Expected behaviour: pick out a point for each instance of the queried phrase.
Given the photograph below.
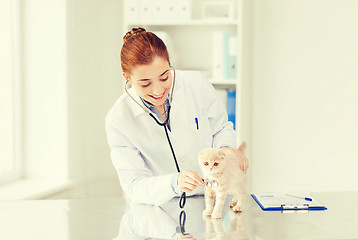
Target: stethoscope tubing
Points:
(182, 199)
(163, 124)
(182, 220)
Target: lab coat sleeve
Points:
(135, 177)
(222, 130)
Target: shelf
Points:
(191, 41)
(196, 22)
(230, 82)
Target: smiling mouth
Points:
(157, 97)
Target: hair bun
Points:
(133, 32)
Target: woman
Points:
(139, 148)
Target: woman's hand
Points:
(240, 154)
(188, 180)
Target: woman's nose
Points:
(158, 89)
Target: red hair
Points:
(141, 47)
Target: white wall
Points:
(71, 79)
(45, 88)
(6, 88)
(304, 95)
(94, 83)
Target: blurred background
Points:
(286, 70)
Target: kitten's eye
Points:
(215, 164)
(206, 163)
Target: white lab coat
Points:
(139, 148)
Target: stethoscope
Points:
(182, 199)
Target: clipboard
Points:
(287, 201)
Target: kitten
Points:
(214, 228)
(223, 176)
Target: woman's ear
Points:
(126, 77)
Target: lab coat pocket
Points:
(198, 137)
(200, 128)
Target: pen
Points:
(305, 198)
(197, 123)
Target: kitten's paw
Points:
(233, 204)
(237, 208)
(216, 215)
(207, 212)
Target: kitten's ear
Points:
(242, 147)
(203, 153)
(221, 154)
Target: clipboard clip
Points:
(294, 208)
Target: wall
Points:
(304, 95)
(44, 89)
(244, 107)
(94, 83)
(71, 79)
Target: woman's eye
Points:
(145, 85)
(206, 163)
(164, 79)
(215, 164)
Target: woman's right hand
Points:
(188, 180)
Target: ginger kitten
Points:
(222, 175)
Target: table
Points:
(117, 219)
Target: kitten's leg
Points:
(219, 203)
(233, 220)
(218, 225)
(240, 226)
(219, 229)
(233, 201)
(240, 195)
(209, 202)
(209, 229)
(239, 207)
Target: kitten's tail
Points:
(243, 147)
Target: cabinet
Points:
(189, 33)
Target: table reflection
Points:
(164, 222)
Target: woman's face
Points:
(153, 81)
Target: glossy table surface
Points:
(117, 219)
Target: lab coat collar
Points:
(137, 110)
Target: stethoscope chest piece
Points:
(211, 183)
